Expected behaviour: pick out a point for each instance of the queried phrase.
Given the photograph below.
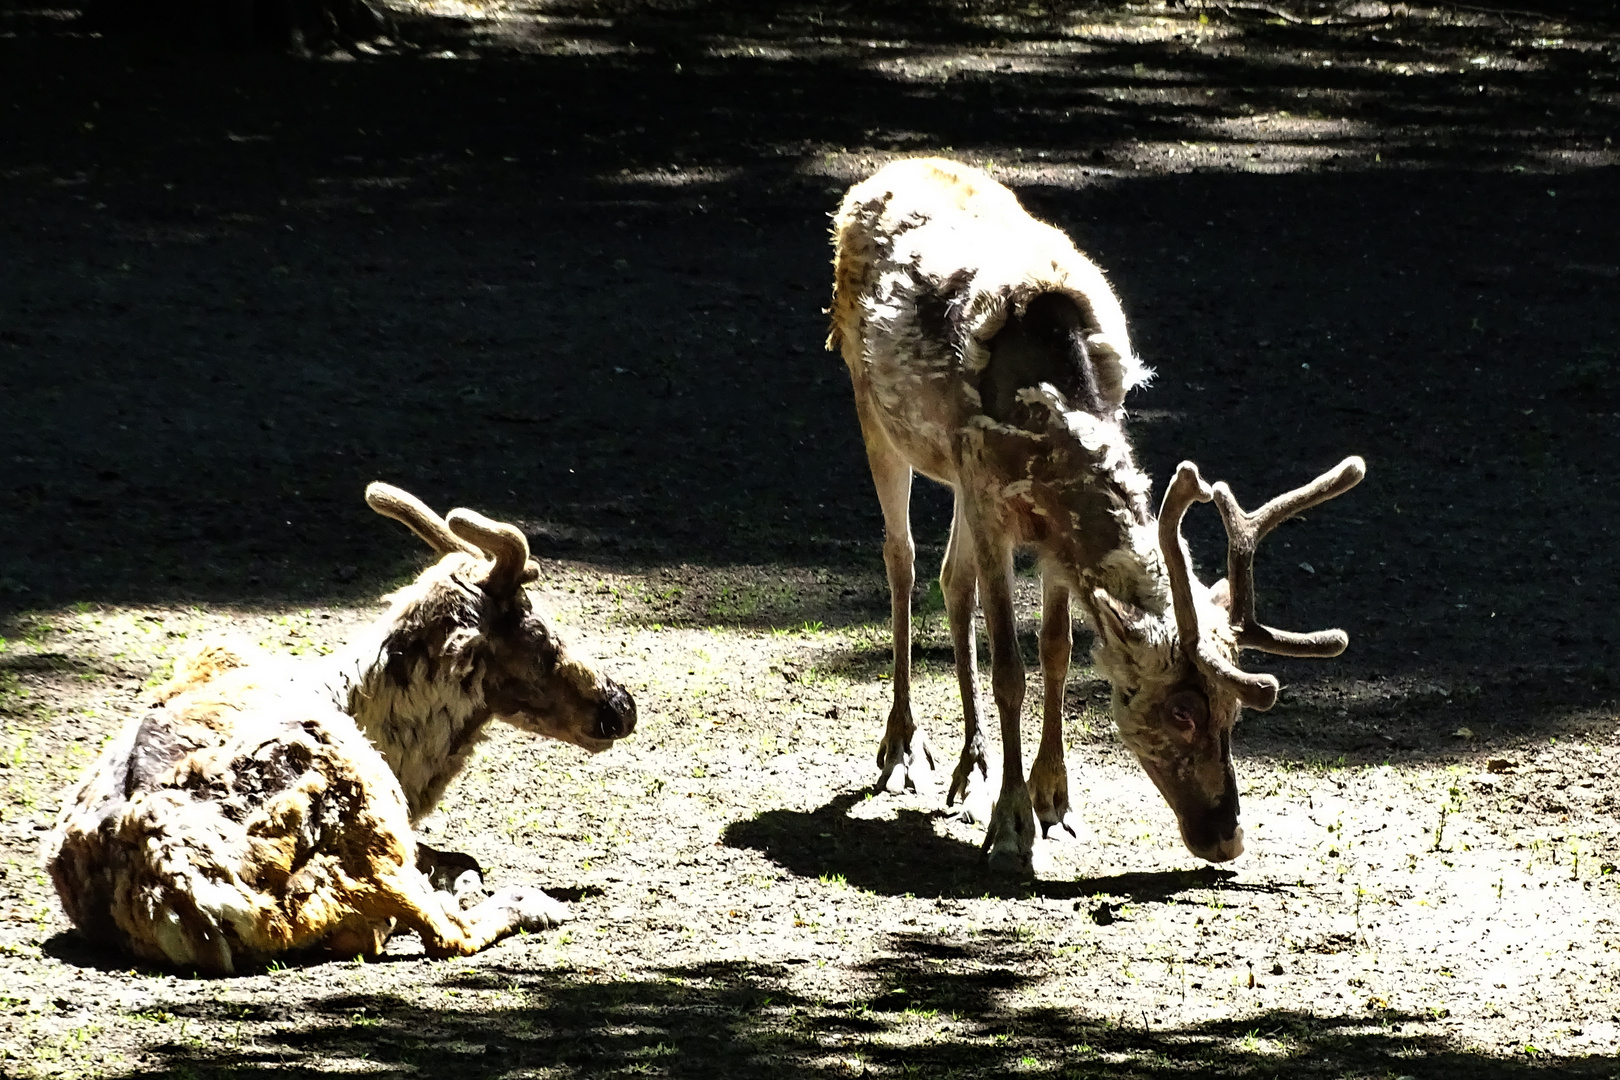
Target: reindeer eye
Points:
(1187, 708)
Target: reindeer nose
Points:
(1215, 841)
(1228, 848)
(615, 713)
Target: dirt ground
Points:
(565, 263)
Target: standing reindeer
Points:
(990, 355)
(263, 806)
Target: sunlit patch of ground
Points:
(456, 9)
(675, 177)
(1429, 880)
(1212, 71)
(1461, 904)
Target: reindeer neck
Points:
(423, 709)
(1105, 535)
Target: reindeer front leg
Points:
(904, 751)
(409, 897)
(1048, 776)
(370, 878)
(1010, 840)
(453, 872)
(958, 580)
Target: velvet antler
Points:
(1187, 487)
(1244, 532)
(414, 514)
(504, 543)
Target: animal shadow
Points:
(906, 855)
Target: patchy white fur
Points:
(262, 805)
(933, 257)
(931, 225)
(426, 728)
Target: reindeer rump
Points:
(236, 821)
(934, 253)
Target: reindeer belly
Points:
(920, 397)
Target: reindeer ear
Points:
(1116, 621)
(1220, 594)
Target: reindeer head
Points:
(1178, 688)
(471, 611)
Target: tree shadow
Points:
(72, 948)
(591, 303)
(1362, 716)
(920, 1008)
(75, 950)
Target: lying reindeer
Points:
(990, 355)
(266, 806)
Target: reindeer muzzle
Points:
(1214, 834)
(615, 713)
(1216, 845)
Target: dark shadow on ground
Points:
(906, 856)
(1363, 708)
(1441, 713)
(590, 300)
(932, 1008)
(581, 290)
(75, 950)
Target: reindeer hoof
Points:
(531, 909)
(970, 785)
(468, 888)
(447, 871)
(976, 804)
(903, 760)
(1010, 861)
(1009, 843)
(1063, 829)
(1052, 813)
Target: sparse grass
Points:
(720, 702)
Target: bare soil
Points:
(564, 263)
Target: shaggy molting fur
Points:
(263, 806)
(989, 354)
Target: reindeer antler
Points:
(413, 513)
(505, 543)
(1187, 487)
(1244, 532)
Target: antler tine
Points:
(1256, 691)
(1244, 532)
(1186, 488)
(505, 543)
(413, 513)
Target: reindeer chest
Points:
(1039, 500)
(425, 749)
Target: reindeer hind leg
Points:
(958, 581)
(904, 753)
(1009, 841)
